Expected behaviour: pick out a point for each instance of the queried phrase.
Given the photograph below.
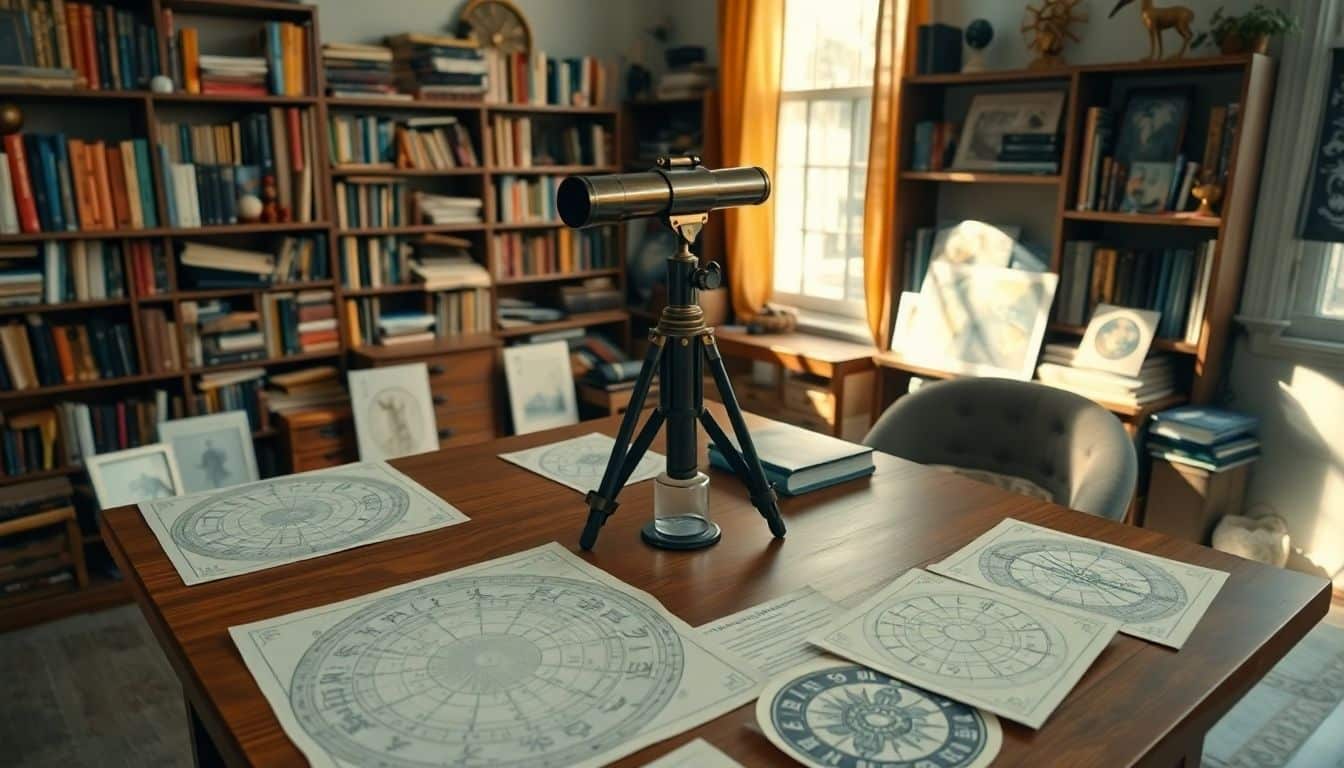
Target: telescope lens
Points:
(574, 199)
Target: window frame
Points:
(1306, 320)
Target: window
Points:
(822, 162)
(1318, 300)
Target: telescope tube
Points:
(585, 201)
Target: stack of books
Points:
(683, 83)
(159, 333)
(233, 75)
(592, 295)
(371, 202)
(215, 333)
(208, 266)
(21, 280)
(462, 311)
(25, 446)
(518, 142)
(37, 354)
(240, 390)
(405, 328)
(435, 144)
(1029, 153)
(797, 460)
(149, 268)
(89, 429)
(305, 388)
(595, 358)
(934, 146)
(361, 140)
(518, 313)
(302, 322)
(443, 265)
(1174, 282)
(438, 66)
(526, 198)
(51, 184)
(1154, 381)
(1209, 438)
(565, 251)
(286, 45)
(360, 71)
(522, 78)
(373, 262)
(56, 44)
(448, 209)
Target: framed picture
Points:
(133, 475)
(1148, 187)
(212, 451)
(1321, 218)
(902, 333)
(982, 321)
(1117, 339)
(393, 410)
(541, 386)
(976, 242)
(1152, 126)
(993, 114)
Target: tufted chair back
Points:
(1068, 445)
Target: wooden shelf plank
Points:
(179, 232)
(384, 290)
(411, 229)
(219, 293)
(70, 94)
(302, 357)
(182, 97)
(991, 76)
(557, 277)
(552, 108)
(68, 306)
(366, 170)
(1146, 219)
(553, 169)
(581, 320)
(507, 225)
(80, 386)
(447, 344)
(253, 8)
(426, 105)
(68, 469)
(980, 177)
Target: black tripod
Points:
(675, 352)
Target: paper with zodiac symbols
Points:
(579, 462)
(1015, 657)
(1152, 597)
(217, 534)
(532, 659)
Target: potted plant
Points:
(1250, 31)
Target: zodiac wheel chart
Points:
(967, 638)
(584, 461)
(1084, 575)
(849, 716)
(290, 516)
(495, 670)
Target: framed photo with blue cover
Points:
(1152, 127)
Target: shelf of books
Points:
(1113, 210)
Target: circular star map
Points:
(1085, 575)
(967, 638)
(579, 461)
(843, 715)
(509, 670)
(1117, 338)
(290, 516)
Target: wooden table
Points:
(831, 359)
(1140, 703)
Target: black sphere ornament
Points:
(978, 35)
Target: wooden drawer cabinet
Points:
(462, 383)
(318, 437)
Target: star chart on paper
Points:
(580, 462)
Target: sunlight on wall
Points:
(1308, 389)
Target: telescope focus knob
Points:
(708, 277)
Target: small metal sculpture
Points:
(11, 118)
(1158, 20)
(1209, 194)
(1047, 29)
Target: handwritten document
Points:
(773, 635)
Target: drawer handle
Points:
(329, 431)
(437, 370)
(438, 399)
(332, 456)
(446, 433)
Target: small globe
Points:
(979, 33)
(11, 118)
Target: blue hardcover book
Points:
(1225, 452)
(274, 53)
(1174, 316)
(71, 211)
(51, 179)
(125, 28)
(169, 188)
(142, 172)
(1163, 285)
(799, 460)
(1203, 425)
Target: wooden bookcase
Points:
(1048, 201)
(93, 114)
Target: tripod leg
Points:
(602, 502)
(640, 446)
(762, 495)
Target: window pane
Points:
(1332, 288)
(827, 199)
(858, 181)
(829, 131)
(824, 265)
(792, 144)
(863, 117)
(788, 191)
(854, 273)
(828, 44)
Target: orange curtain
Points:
(751, 36)
(895, 55)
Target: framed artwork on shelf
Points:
(212, 451)
(902, 332)
(394, 412)
(976, 242)
(134, 475)
(1117, 339)
(1152, 126)
(1322, 215)
(1148, 186)
(982, 321)
(991, 115)
(541, 386)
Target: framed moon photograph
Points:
(212, 451)
(134, 475)
(541, 386)
(991, 115)
(393, 410)
(1117, 339)
(1147, 187)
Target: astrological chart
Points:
(1151, 597)
(833, 714)
(535, 659)
(580, 461)
(1009, 655)
(217, 534)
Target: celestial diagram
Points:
(396, 419)
(1117, 338)
(967, 638)
(582, 463)
(848, 716)
(510, 669)
(290, 516)
(1084, 575)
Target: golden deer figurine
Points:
(1159, 20)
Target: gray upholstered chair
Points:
(1001, 430)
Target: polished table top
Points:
(1139, 703)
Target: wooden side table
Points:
(1187, 502)
(840, 363)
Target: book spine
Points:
(191, 60)
(145, 179)
(68, 183)
(24, 199)
(89, 32)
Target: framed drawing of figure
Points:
(212, 451)
(394, 412)
(133, 475)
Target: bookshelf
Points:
(134, 114)
(1046, 204)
